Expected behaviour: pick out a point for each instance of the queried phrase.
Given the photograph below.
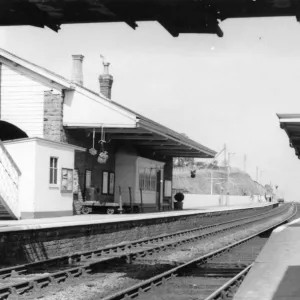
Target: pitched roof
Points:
(31, 69)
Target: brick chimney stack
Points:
(77, 75)
(106, 81)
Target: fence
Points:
(197, 201)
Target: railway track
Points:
(214, 276)
(64, 269)
(204, 279)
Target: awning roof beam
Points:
(170, 148)
(137, 137)
(157, 143)
(121, 130)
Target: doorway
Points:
(9, 131)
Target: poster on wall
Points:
(105, 183)
(88, 178)
(76, 181)
(168, 188)
(111, 183)
(66, 180)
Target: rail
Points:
(9, 183)
(231, 286)
(7, 272)
(92, 259)
(146, 285)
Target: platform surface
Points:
(275, 274)
(28, 224)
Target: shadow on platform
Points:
(289, 287)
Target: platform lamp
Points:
(260, 179)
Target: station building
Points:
(63, 145)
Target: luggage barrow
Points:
(108, 208)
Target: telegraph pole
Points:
(212, 182)
(211, 173)
(227, 175)
(245, 161)
(256, 174)
(258, 194)
(229, 161)
(260, 175)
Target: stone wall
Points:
(19, 247)
(53, 117)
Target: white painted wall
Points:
(198, 201)
(22, 101)
(85, 108)
(50, 199)
(35, 193)
(24, 155)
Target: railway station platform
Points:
(276, 271)
(30, 240)
(43, 223)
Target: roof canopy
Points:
(84, 109)
(291, 125)
(154, 142)
(176, 16)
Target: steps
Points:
(9, 186)
(4, 214)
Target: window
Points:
(142, 179)
(147, 179)
(153, 180)
(53, 170)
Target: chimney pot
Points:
(77, 75)
(106, 81)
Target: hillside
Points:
(240, 183)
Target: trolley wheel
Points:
(85, 210)
(110, 211)
(136, 209)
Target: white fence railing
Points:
(9, 183)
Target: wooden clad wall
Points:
(22, 101)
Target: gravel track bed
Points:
(19, 278)
(121, 276)
(185, 253)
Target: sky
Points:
(216, 90)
